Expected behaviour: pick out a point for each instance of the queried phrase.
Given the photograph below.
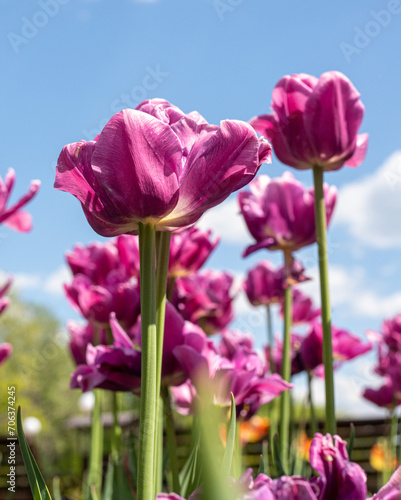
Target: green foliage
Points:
(35, 478)
(40, 369)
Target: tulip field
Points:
(155, 389)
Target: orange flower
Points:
(303, 446)
(381, 457)
(250, 431)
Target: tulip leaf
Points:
(36, 482)
(277, 457)
(229, 451)
(350, 445)
(261, 469)
(190, 475)
(116, 486)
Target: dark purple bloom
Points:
(280, 213)
(205, 298)
(117, 367)
(339, 479)
(303, 310)
(345, 346)
(315, 122)
(189, 250)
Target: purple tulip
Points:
(5, 351)
(189, 250)
(156, 164)
(339, 479)
(244, 375)
(384, 396)
(303, 310)
(315, 122)
(95, 261)
(280, 213)
(96, 303)
(128, 254)
(264, 284)
(345, 347)
(12, 216)
(117, 367)
(205, 298)
(277, 354)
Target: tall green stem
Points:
(313, 423)
(270, 338)
(286, 368)
(147, 423)
(116, 436)
(171, 438)
(320, 221)
(162, 260)
(95, 472)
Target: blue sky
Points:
(68, 65)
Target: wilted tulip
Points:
(315, 122)
(280, 213)
(12, 216)
(157, 165)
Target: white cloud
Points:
(55, 281)
(25, 281)
(349, 287)
(371, 207)
(226, 220)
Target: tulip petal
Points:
(333, 115)
(219, 163)
(137, 150)
(360, 151)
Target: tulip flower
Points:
(303, 310)
(155, 164)
(5, 351)
(338, 477)
(189, 250)
(315, 122)
(280, 213)
(12, 216)
(314, 125)
(205, 299)
(345, 347)
(117, 367)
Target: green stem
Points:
(116, 435)
(171, 438)
(286, 368)
(95, 472)
(313, 423)
(270, 338)
(147, 422)
(320, 221)
(162, 257)
(393, 437)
